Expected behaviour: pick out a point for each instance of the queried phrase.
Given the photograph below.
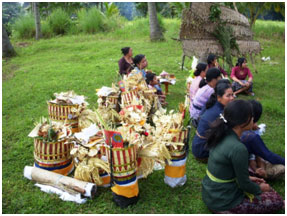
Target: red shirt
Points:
(241, 73)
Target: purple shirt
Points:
(194, 88)
(199, 101)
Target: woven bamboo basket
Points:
(52, 152)
(128, 96)
(179, 151)
(64, 114)
(110, 101)
(124, 161)
(52, 155)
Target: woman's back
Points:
(200, 100)
(227, 161)
(194, 87)
(198, 144)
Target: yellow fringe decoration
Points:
(146, 167)
(88, 170)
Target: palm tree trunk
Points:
(7, 48)
(37, 21)
(155, 31)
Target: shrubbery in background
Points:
(94, 21)
(46, 29)
(91, 20)
(24, 27)
(59, 21)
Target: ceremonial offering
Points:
(108, 97)
(51, 146)
(123, 163)
(175, 172)
(88, 154)
(128, 97)
(66, 108)
(113, 145)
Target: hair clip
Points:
(222, 117)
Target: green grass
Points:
(84, 63)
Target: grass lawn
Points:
(84, 63)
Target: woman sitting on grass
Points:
(206, 88)
(199, 74)
(214, 106)
(140, 64)
(272, 165)
(212, 62)
(126, 64)
(151, 80)
(238, 75)
(227, 187)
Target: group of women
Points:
(227, 139)
(138, 64)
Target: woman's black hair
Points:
(199, 67)
(236, 113)
(212, 73)
(149, 77)
(125, 50)
(137, 59)
(257, 110)
(240, 61)
(219, 90)
(210, 58)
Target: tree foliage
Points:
(254, 9)
(111, 9)
(223, 33)
(10, 11)
(142, 7)
(178, 7)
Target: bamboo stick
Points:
(59, 181)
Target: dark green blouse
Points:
(228, 160)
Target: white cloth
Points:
(105, 91)
(65, 196)
(86, 133)
(175, 182)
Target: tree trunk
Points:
(155, 31)
(37, 20)
(7, 48)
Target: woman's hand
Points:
(255, 126)
(261, 172)
(265, 187)
(257, 180)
